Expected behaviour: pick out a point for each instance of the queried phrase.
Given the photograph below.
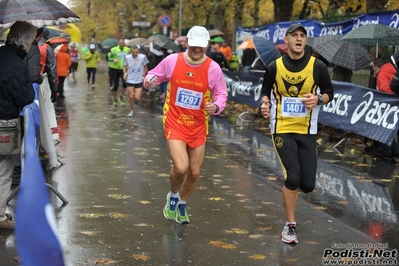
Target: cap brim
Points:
(201, 43)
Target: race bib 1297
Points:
(189, 99)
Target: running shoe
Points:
(122, 101)
(289, 234)
(169, 211)
(182, 215)
(115, 102)
(136, 101)
(130, 114)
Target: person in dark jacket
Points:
(48, 63)
(33, 59)
(248, 57)
(16, 91)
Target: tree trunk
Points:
(283, 10)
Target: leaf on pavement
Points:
(257, 236)
(106, 261)
(117, 215)
(267, 203)
(163, 175)
(143, 225)
(210, 157)
(220, 244)
(144, 202)
(312, 243)
(91, 215)
(320, 208)
(343, 202)
(118, 196)
(148, 171)
(140, 257)
(237, 231)
(257, 257)
(91, 233)
(231, 166)
(265, 228)
(216, 199)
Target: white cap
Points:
(198, 36)
(92, 46)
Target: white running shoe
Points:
(289, 234)
(130, 114)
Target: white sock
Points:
(182, 202)
(287, 223)
(174, 195)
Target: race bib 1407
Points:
(293, 107)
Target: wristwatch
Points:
(217, 109)
(320, 102)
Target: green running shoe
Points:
(169, 211)
(182, 215)
(115, 102)
(122, 101)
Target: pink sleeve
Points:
(217, 85)
(164, 70)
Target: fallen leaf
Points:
(91, 215)
(267, 202)
(106, 261)
(145, 202)
(163, 175)
(117, 215)
(91, 233)
(265, 228)
(312, 243)
(320, 208)
(256, 236)
(260, 215)
(143, 225)
(148, 171)
(272, 178)
(343, 202)
(140, 257)
(257, 257)
(216, 199)
(118, 196)
(237, 231)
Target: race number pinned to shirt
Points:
(188, 99)
(293, 107)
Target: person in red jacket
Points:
(63, 64)
(384, 73)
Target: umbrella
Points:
(346, 54)
(313, 41)
(283, 48)
(167, 44)
(373, 34)
(135, 41)
(55, 40)
(38, 12)
(247, 45)
(110, 42)
(217, 39)
(56, 32)
(266, 50)
(215, 32)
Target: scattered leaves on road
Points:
(216, 199)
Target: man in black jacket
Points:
(16, 91)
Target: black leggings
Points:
(91, 71)
(298, 157)
(116, 75)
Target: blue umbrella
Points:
(266, 49)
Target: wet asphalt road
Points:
(115, 177)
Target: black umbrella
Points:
(167, 44)
(38, 12)
(346, 54)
